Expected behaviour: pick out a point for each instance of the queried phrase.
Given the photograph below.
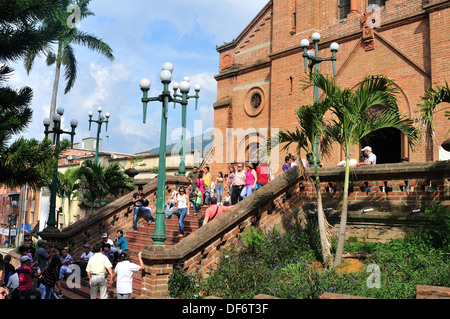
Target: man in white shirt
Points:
(124, 274)
(97, 269)
(83, 260)
(369, 157)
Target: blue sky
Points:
(144, 35)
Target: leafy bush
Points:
(183, 284)
(437, 229)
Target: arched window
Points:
(381, 3)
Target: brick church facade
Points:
(259, 85)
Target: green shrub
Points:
(437, 229)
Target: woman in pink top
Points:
(250, 180)
(200, 181)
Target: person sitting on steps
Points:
(140, 204)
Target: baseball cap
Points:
(105, 235)
(367, 148)
(24, 258)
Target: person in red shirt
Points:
(214, 210)
(25, 273)
(263, 173)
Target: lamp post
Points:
(314, 61)
(56, 132)
(100, 121)
(159, 234)
(184, 87)
(12, 220)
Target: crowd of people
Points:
(41, 270)
(218, 193)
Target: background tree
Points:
(68, 35)
(21, 30)
(29, 162)
(97, 181)
(351, 121)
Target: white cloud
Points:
(143, 35)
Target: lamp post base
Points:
(159, 234)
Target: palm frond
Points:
(70, 65)
(433, 97)
(93, 43)
(51, 58)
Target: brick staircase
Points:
(137, 240)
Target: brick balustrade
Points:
(108, 219)
(277, 204)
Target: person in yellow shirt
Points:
(97, 269)
(207, 185)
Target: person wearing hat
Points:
(369, 157)
(25, 273)
(106, 240)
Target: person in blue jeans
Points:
(219, 187)
(139, 205)
(183, 203)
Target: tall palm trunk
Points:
(343, 222)
(323, 227)
(324, 244)
(55, 86)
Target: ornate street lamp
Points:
(184, 87)
(100, 121)
(159, 234)
(314, 61)
(56, 132)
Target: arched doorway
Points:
(386, 145)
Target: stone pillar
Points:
(155, 283)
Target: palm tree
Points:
(311, 123)
(97, 181)
(352, 120)
(65, 53)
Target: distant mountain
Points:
(202, 143)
